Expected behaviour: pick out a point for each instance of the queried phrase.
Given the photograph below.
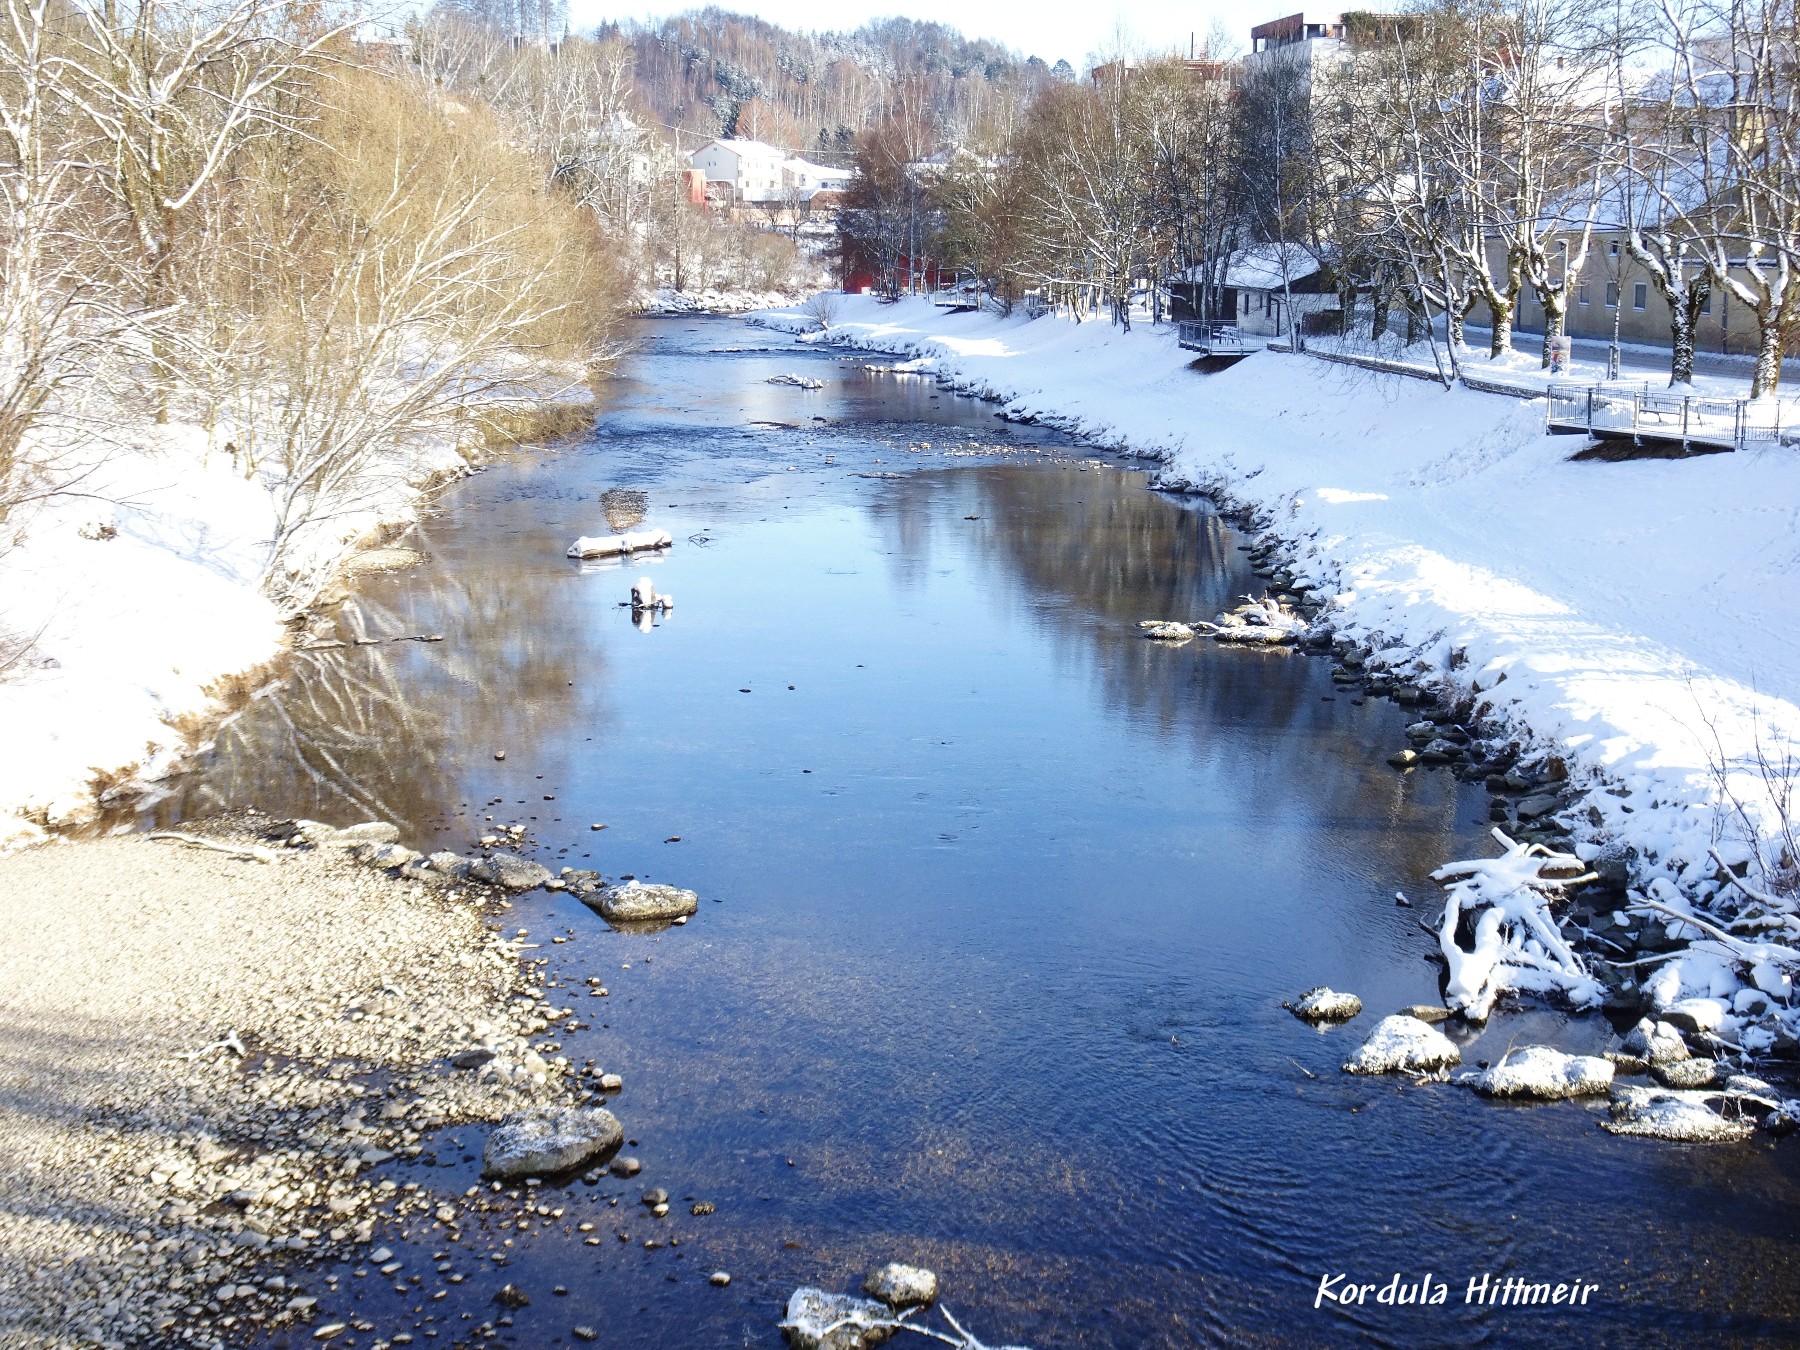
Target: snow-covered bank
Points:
(666, 300)
(143, 594)
(1637, 619)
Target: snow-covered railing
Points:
(1210, 337)
(1612, 411)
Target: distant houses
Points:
(741, 175)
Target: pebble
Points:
(718, 1279)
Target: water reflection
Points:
(1006, 900)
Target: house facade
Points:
(742, 172)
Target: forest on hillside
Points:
(713, 73)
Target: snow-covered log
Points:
(1518, 942)
(619, 545)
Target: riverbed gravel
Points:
(205, 1060)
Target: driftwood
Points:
(249, 852)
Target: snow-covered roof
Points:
(816, 171)
(743, 148)
(1258, 268)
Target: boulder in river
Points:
(1655, 1042)
(638, 902)
(1686, 1073)
(512, 873)
(1685, 1117)
(1540, 1072)
(548, 1140)
(901, 1286)
(1324, 1004)
(1166, 630)
(1402, 1042)
(817, 1320)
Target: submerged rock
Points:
(545, 1141)
(1324, 1004)
(1401, 1042)
(636, 902)
(817, 1320)
(901, 1286)
(1543, 1073)
(1682, 1116)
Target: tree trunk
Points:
(1556, 315)
(1681, 338)
(1767, 377)
(1501, 342)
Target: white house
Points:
(751, 169)
(755, 172)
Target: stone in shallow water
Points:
(901, 1286)
(817, 1320)
(1401, 1042)
(1686, 1073)
(546, 1141)
(1656, 1042)
(1681, 1116)
(1541, 1072)
(1324, 1004)
(636, 902)
(513, 874)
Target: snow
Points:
(1636, 619)
(1684, 1117)
(1325, 1004)
(1541, 1072)
(1404, 1043)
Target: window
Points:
(1615, 248)
(1581, 294)
(1612, 295)
(1640, 296)
(1706, 303)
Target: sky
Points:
(1053, 29)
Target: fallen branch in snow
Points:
(246, 851)
(1518, 943)
(814, 1317)
(1261, 622)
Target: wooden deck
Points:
(1210, 337)
(1640, 414)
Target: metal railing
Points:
(1636, 412)
(958, 295)
(1211, 337)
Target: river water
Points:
(999, 901)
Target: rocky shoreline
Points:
(230, 1056)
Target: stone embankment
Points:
(221, 1055)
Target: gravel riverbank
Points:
(222, 1071)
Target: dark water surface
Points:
(999, 902)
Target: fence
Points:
(1211, 337)
(1626, 412)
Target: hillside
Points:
(712, 73)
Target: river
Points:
(999, 901)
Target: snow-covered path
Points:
(1620, 612)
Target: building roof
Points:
(1258, 268)
(743, 147)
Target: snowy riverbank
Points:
(143, 596)
(1635, 619)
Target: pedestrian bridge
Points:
(1640, 414)
(1211, 337)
